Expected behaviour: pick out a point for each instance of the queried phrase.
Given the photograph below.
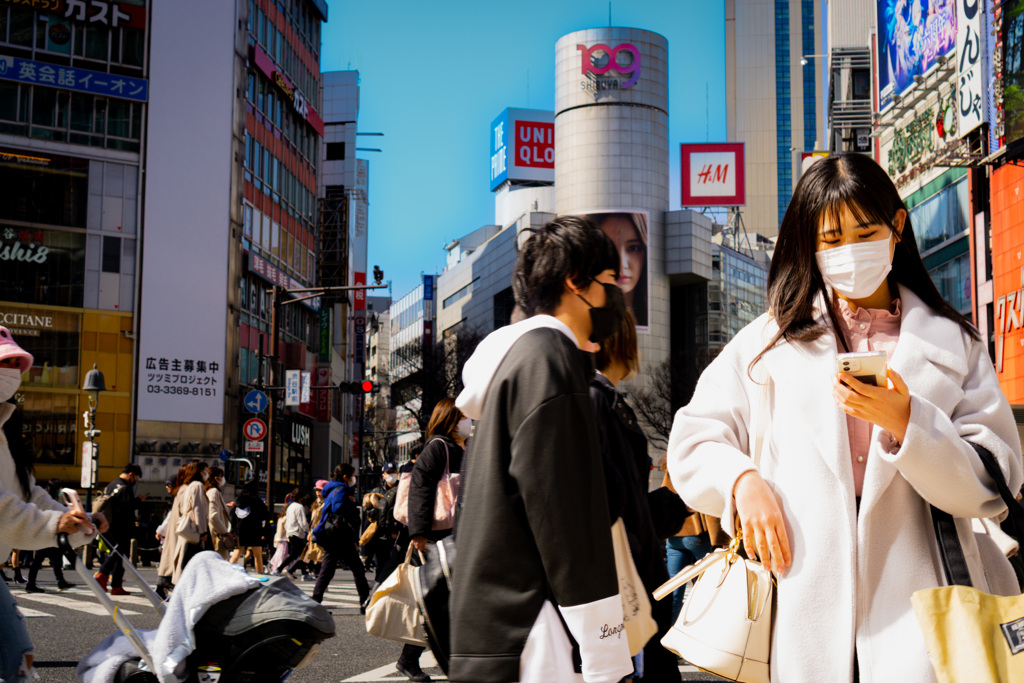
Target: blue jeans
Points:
(14, 640)
(680, 552)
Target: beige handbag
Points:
(636, 607)
(392, 613)
(725, 625)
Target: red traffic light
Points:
(368, 386)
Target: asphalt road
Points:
(67, 625)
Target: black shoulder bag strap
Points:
(952, 553)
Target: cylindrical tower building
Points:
(611, 158)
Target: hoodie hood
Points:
(481, 366)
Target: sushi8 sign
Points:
(523, 146)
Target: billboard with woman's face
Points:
(628, 232)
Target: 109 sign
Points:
(600, 59)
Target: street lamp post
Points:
(93, 385)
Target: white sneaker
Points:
(290, 575)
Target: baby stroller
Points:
(220, 625)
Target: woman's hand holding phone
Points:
(887, 408)
(764, 527)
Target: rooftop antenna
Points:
(527, 88)
(609, 14)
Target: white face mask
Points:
(391, 478)
(351, 481)
(206, 475)
(856, 270)
(465, 429)
(10, 380)
(220, 481)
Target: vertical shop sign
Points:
(1009, 317)
(970, 83)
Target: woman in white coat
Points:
(840, 504)
(29, 517)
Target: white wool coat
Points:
(26, 523)
(849, 586)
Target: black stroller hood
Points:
(276, 600)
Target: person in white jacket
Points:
(840, 504)
(296, 526)
(29, 518)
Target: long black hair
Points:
(856, 182)
(21, 453)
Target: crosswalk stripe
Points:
(76, 605)
(31, 613)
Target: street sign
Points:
(253, 446)
(89, 459)
(254, 429)
(292, 387)
(256, 401)
(306, 377)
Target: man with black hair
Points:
(119, 508)
(535, 564)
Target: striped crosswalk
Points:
(80, 599)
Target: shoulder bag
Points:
(445, 501)
(970, 635)
(187, 528)
(725, 625)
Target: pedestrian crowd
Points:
(532, 486)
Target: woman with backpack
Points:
(341, 513)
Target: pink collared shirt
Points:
(866, 329)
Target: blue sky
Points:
(434, 75)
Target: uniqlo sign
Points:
(523, 147)
(535, 144)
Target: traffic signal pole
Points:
(275, 314)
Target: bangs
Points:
(866, 208)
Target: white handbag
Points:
(725, 625)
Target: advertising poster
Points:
(912, 35)
(628, 231)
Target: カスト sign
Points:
(523, 146)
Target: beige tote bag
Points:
(392, 613)
(636, 607)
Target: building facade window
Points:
(784, 137)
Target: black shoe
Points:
(411, 671)
(32, 588)
(18, 578)
(64, 585)
(6, 578)
(161, 591)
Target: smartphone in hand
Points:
(73, 502)
(869, 367)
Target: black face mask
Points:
(606, 320)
